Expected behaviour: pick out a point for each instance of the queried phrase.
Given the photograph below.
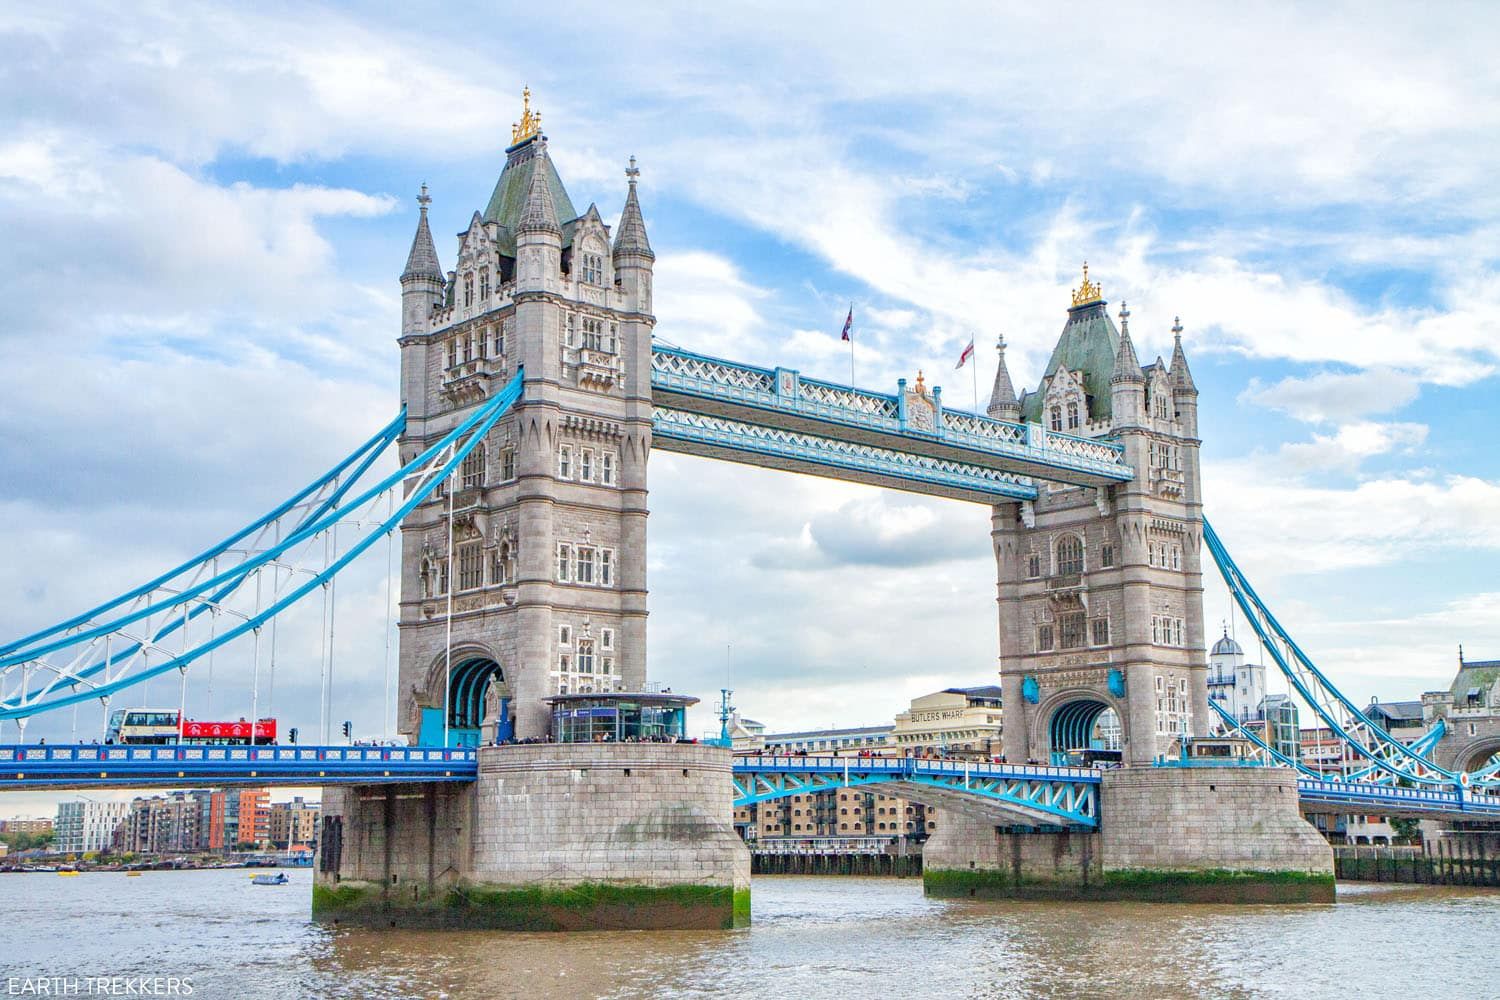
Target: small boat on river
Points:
(279, 878)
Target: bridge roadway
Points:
(1007, 794)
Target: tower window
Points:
(585, 565)
(484, 283)
(1033, 565)
(1057, 424)
(1070, 630)
(1043, 638)
(1069, 555)
(472, 471)
(1107, 555)
(586, 465)
(470, 567)
(1101, 632)
(565, 462)
(565, 635)
(564, 563)
(606, 568)
(607, 468)
(593, 334)
(1072, 416)
(468, 290)
(508, 464)
(593, 268)
(585, 656)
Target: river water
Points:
(812, 938)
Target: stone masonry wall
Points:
(409, 841)
(653, 814)
(1208, 819)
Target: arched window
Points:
(1072, 416)
(484, 283)
(468, 290)
(585, 656)
(1057, 418)
(1069, 555)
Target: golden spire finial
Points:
(921, 386)
(530, 123)
(1088, 292)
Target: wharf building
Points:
(293, 824)
(220, 820)
(36, 825)
(87, 827)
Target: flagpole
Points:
(975, 374)
(851, 344)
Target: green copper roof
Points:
(1088, 342)
(511, 189)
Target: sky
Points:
(206, 210)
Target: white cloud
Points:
(1278, 525)
(1345, 449)
(703, 303)
(1328, 396)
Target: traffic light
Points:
(348, 728)
(292, 735)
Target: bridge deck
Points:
(93, 766)
(1009, 793)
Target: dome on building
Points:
(1226, 647)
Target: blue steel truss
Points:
(748, 396)
(121, 643)
(1066, 796)
(1366, 737)
(697, 433)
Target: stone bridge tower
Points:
(1100, 590)
(546, 579)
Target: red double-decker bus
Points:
(163, 726)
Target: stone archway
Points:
(1478, 754)
(1072, 722)
(477, 701)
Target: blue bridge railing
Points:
(92, 766)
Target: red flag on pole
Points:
(848, 326)
(965, 356)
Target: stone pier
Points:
(550, 837)
(1211, 835)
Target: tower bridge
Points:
(532, 395)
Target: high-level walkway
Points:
(781, 419)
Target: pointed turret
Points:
(1003, 402)
(540, 213)
(631, 236)
(1182, 378)
(1127, 366)
(422, 262)
(1127, 383)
